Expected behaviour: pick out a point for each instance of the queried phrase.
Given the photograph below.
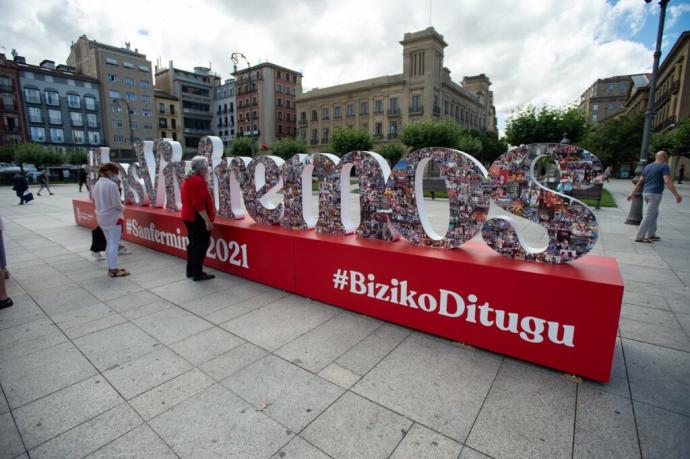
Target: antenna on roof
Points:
(430, 13)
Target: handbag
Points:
(98, 242)
(28, 196)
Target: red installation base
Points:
(562, 316)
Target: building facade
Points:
(168, 116)
(224, 111)
(265, 106)
(126, 89)
(195, 91)
(672, 102)
(606, 97)
(12, 126)
(383, 105)
(62, 108)
(637, 95)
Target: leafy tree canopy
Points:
(546, 124)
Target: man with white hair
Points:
(653, 178)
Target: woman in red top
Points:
(198, 213)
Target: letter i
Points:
(370, 286)
(394, 291)
(471, 309)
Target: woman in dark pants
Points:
(20, 186)
(198, 213)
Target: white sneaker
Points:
(97, 256)
(122, 250)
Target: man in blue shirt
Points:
(654, 177)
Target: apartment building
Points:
(12, 126)
(169, 116)
(606, 97)
(126, 89)
(224, 111)
(62, 108)
(383, 105)
(672, 102)
(195, 91)
(265, 107)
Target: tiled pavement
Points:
(156, 366)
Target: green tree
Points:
(241, 146)
(76, 155)
(675, 141)
(392, 151)
(444, 133)
(31, 153)
(617, 140)
(492, 145)
(345, 140)
(546, 125)
(287, 147)
(7, 153)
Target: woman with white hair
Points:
(198, 213)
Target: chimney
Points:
(47, 64)
(20, 59)
(170, 64)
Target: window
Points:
(595, 107)
(314, 115)
(127, 65)
(92, 120)
(378, 130)
(146, 113)
(33, 96)
(54, 116)
(94, 138)
(378, 106)
(110, 61)
(35, 115)
(5, 82)
(172, 109)
(363, 108)
(52, 98)
(324, 138)
(280, 116)
(350, 109)
(118, 138)
(314, 136)
(116, 124)
(416, 103)
(148, 126)
(38, 134)
(114, 94)
(143, 68)
(145, 99)
(145, 84)
(280, 87)
(112, 78)
(117, 108)
(594, 118)
(287, 103)
(325, 114)
(76, 118)
(57, 135)
(610, 107)
(131, 96)
(78, 137)
(336, 111)
(129, 81)
(394, 104)
(173, 123)
(174, 135)
(90, 102)
(73, 101)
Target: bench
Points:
(594, 193)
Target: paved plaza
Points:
(155, 365)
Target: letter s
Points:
(571, 226)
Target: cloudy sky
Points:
(534, 51)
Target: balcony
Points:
(350, 115)
(325, 118)
(197, 131)
(666, 95)
(313, 142)
(302, 123)
(378, 112)
(416, 110)
(194, 111)
(393, 112)
(378, 136)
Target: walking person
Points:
(681, 174)
(109, 215)
(652, 181)
(43, 180)
(198, 213)
(82, 179)
(607, 173)
(21, 188)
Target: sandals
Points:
(118, 273)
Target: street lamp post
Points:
(129, 117)
(235, 57)
(635, 214)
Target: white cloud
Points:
(675, 12)
(541, 51)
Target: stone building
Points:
(606, 97)
(224, 111)
(126, 90)
(383, 105)
(12, 126)
(195, 91)
(169, 116)
(62, 108)
(672, 102)
(265, 106)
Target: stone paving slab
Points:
(230, 367)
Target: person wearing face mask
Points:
(198, 213)
(109, 214)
